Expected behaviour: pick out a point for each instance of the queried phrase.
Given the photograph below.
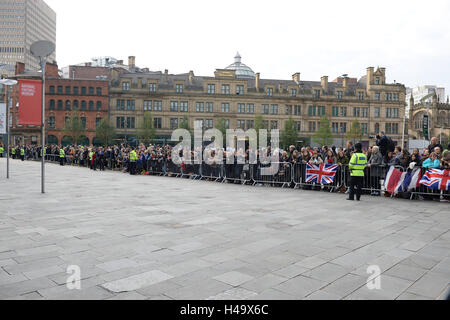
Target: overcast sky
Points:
(276, 38)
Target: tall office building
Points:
(23, 22)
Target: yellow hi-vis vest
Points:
(91, 154)
(133, 156)
(22, 151)
(357, 165)
(62, 154)
(1, 150)
(13, 151)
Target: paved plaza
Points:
(145, 237)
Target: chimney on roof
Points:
(257, 76)
(166, 75)
(370, 71)
(296, 77)
(19, 68)
(324, 83)
(131, 62)
(191, 77)
(345, 82)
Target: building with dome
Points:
(242, 71)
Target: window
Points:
(131, 122)
(157, 123)
(67, 90)
(209, 107)
(179, 88)
(120, 105)
(265, 124)
(239, 90)
(388, 96)
(360, 95)
(83, 122)
(377, 128)
(91, 91)
(52, 89)
(157, 105)
(66, 121)
(211, 88)
(68, 105)
(152, 87)
(52, 105)
(227, 123)
(241, 108)
(60, 104)
(241, 124)
(377, 96)
(298, 125)
(364, 129)
(97, 121)
(335, 127)
(184, 106)
(395, 97)
(274, 109)
(225, 107)
(173, 123)
(288, 110)
(339, 94)
(265, 109)
(293, 92)
(317, 94)
(209, 124)
(120, 122)
(130, 105)
(392, 113)
(51, 122)
(343, 127)
(76, 90)
(225, 89)
(312, 111)
(91, 105)
(60, 89)
(250, 108)
(99, 105)
(312, 126)
(269, 92)
(274, 124)
(321, 111)
(200, 107)
(250, 124)
(75, 105)
(174, 107)
(298, 110)
(148, 105)
(356, 112)
(99, 91)
(83, 105)
(83, 90)
(343, 112)
(377, 112)
(377, 80)
(125, 86)
(335, 111)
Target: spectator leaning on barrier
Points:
(377, 170)
(330, 158)
(315, 159)
(431, 162)
(342, 158)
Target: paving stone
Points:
(328, 272)
(300, 286)
(234, 294)
(265, 282)
(406, 272)
(137, 281)
(430, 285)
(234, 278)
(115, 265)
(391, 288)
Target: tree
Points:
(74, 128)
(146, 131)
(222, 127)
(290, 134)
(259, 125)
(323, 136)
(184, 124)
(355, 133)
(105, 132)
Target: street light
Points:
(7, 83)
(42, 50)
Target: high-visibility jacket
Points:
(91, 154)
(13, 151)
(133, 156)
(44, 152)
(357, 164)
(62, 154)
(1, 150)
(22, 151)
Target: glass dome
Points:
(242, 71)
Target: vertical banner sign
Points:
(30, 102)
(425, 127)
(2, 118)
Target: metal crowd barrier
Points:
(299, 179)
(427, 193)
(276, 177)
(212, 172)
(237, 173)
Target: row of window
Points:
(75, 90)
(83, 120)
(68, 105)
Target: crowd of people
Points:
(157, 159)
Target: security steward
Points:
(357, 165)
(22, 153)
(133, 159)
(1, 151)
(62, 155)
(13, 152)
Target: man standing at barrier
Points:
(133, 159)
(357, 165)
(62, 155)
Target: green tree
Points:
(74, 127)
(323, 136)
(105, 132)
(184, 124)
(222, 127)
(290, 134)
(146, 131)
(355, 133)
(259, 125)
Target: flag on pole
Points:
(30, 102)
(323, 174)
(437, 179)
(2, 118)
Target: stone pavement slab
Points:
(146, 237)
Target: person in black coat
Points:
(383, 144)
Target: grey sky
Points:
(277, 38)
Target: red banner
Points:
(30, 102)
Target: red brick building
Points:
(90, 97)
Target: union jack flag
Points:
(323, 174)
(437, 179)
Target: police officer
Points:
(22, 153)
(357, 165)
(62, 155)
(133, 159)
(1, 150)
(13, 152)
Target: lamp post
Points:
(7, 83)
(42, 50)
